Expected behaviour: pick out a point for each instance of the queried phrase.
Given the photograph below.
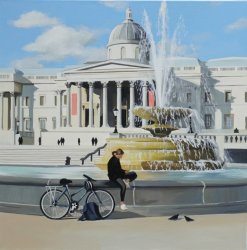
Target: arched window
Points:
(123, 53)
(109, 53)
(137, 52)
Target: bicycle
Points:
(58, 201)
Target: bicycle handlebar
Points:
(88, 178)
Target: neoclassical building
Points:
(48, 103)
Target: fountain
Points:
(161, 152)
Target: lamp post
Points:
(190, 122)
(115, 112)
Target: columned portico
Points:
(105, 105)
(119, 104)
(68, 85)
(132, 104)
(144, 99)
(90, 124)
(1, 110)
(12, 111)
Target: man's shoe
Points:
(123, 207)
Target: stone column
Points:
(132, 104)
(90, 124)
(119, 104)
(79, 105)
(68, 85)
(12, 111)
(60, 106)
(1, 110)
(20, 110)
(105, 105)
(144, 99)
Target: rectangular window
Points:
(27, 124)
(207, 97)
(54, 123)
(208, 121)
(188, 97)
(228, 121)
(26, 101)
(55, 100)
(245, 96)
(42, 123)
(65, 99)
(41, 100)
(228, 96)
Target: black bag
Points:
(91, 212)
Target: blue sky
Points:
(36, 33)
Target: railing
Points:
(235, 138)
(135, 135)
(211, 137)
(92, 153)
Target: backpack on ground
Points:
(91, 212)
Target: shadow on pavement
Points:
(117, 215)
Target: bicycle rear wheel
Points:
(54, 204)
(104, 200)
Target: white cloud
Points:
(117, 5)
(239, 24)
(61, 42)
(28, 62)
(34, 19)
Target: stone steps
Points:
(44, 155)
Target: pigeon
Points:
(188, 219)
(174, 217)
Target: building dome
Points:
(127, 32)
(124, 41)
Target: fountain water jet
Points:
(162, 153)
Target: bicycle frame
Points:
(70, 194)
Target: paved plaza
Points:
(124, 232)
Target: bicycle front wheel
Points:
(104, 200)
(54, 204)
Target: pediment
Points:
(108, 66)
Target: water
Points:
(163, 55)
(50, 172)
(231, 175)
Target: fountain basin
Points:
(154, 193)
(162, 154)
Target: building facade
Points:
(47, 100)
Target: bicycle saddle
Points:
(65, 181)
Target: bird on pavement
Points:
(174, 217)
(188, 219)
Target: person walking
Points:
(58, 142)
(95, 141)
(40, 141)
(120, 176)
(79, 141)
(19, 140)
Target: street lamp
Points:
(115, 112)
(190, 122)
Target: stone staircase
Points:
(45, 155)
